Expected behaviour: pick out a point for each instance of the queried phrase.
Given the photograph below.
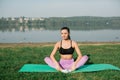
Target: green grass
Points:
(13, 58)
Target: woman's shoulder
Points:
(74, 43)
(58, 43)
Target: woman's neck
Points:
(66, 40)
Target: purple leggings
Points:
(66, 64)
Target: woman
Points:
(66, 49)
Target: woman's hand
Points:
(73, 67)
(58, 67)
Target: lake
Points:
(54, 35)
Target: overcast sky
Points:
(59, 8)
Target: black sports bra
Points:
(66, 51)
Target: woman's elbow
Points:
(51, 56)
(80, 55)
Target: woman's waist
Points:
(66, 57)
(66, 61)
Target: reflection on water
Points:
(20, 28)
(34, 35)
(26, 28)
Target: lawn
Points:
(13, 58)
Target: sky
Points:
(59, 8)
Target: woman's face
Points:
(64, 34)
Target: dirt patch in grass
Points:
(52, 44)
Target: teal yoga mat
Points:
(85, 68)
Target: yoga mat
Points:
(85, 68)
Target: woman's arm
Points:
(78, 58)
(53, 58)
(53, 53)
(75, 45)
(78, 53)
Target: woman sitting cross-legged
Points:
(66, 49)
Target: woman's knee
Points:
(85, 57)
(46, 59)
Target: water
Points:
(54, 35)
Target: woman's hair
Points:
(67, 30)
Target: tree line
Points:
(55, 23)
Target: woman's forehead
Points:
(64, 31)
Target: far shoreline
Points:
(42, 44)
